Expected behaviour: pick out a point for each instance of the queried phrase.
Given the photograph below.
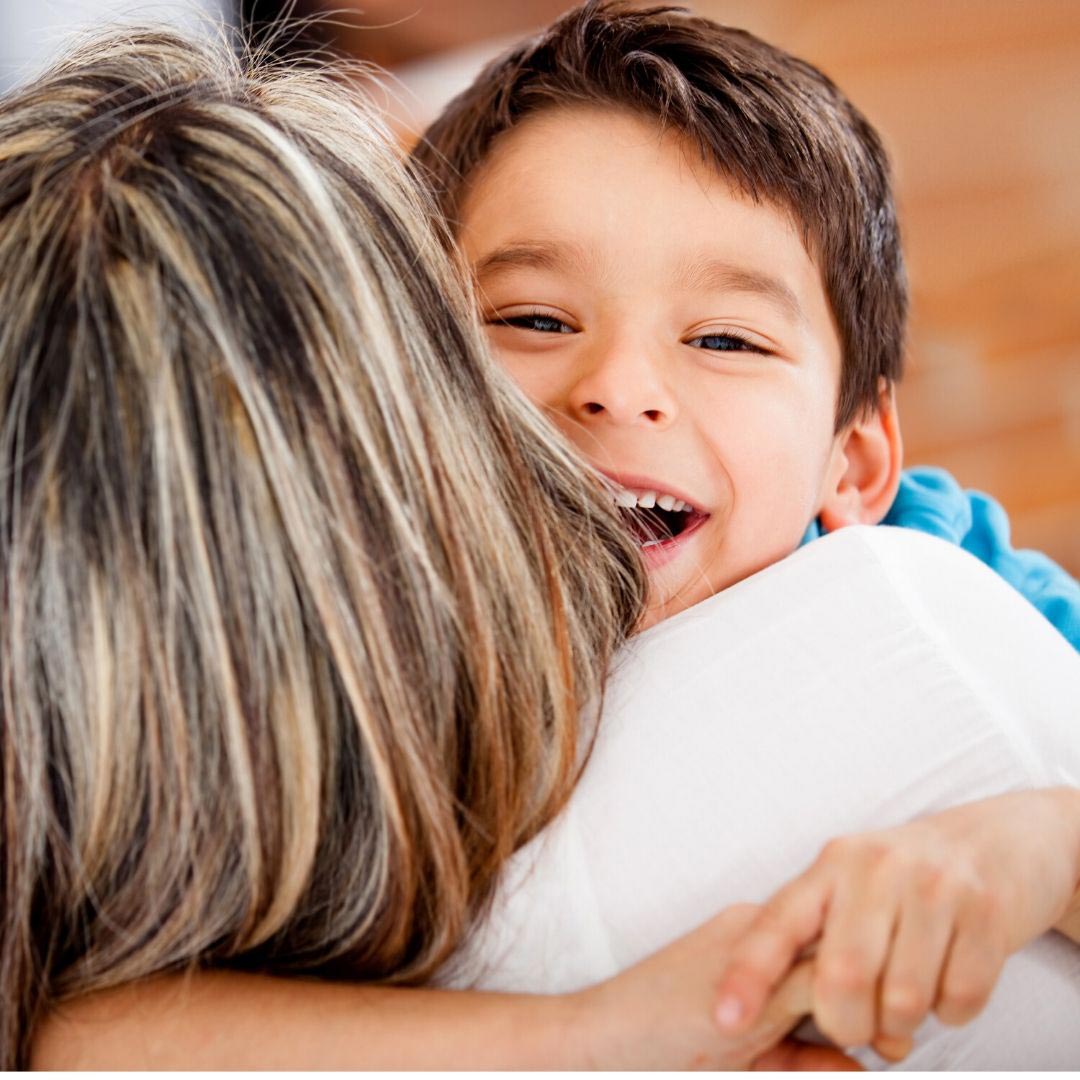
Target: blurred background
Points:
(979, 104)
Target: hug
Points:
(418, 647)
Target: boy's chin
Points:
(665, 601)
(671, 590)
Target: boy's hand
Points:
(914, 919)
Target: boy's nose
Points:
(622, 390)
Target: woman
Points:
(301, 601)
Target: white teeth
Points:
(646, 500)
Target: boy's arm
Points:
(657, 1014)
(228, 1020)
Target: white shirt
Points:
(874, 676)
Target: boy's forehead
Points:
(591, 164)
(551, 150)
(574, 191)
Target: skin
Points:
(681, 336)
(694, 352)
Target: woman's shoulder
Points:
(892, 571)
(983, 623)
(871, 617)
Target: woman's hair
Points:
(300, 598)
(773, 125)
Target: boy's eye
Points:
(542, 324)
(726, 342)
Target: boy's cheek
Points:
(539, 382)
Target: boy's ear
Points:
(866, 467)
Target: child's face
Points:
(678, 333)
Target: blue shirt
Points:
(931, 501)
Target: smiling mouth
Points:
(656, 520)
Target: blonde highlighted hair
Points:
(300, 599)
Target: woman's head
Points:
(299, 600)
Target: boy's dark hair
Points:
(777, 128)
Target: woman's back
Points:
(737, 740)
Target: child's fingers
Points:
(789, 921)
(973, 963)
(789, 1003)
(917, 958)
(794, 997)
(852, 956)
(892, 1049)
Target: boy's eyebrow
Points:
(707, 274)
(533, 254)
(720, 276)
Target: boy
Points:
(686, 250)
(636, 186)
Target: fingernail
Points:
(729, 1012)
